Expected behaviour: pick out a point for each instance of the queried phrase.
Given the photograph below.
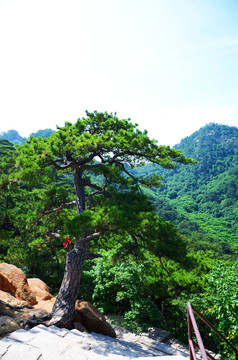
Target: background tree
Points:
(99, 153)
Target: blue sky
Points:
(169, 65)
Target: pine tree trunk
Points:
(79, 189)
(63, 309)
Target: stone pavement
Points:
(52, 343)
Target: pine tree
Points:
(99, 152)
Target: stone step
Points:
(52, 343)
(151, 343)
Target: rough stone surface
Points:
(52, 343)
(14, 280)
(7, 324)
(92, 319)
(21, 351)
(159, 334)
(14, 311)
(40, 289)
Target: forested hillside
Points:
(203, 197)
(148, 282)
(14, 137)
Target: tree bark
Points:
(79, 189)
(63, 309)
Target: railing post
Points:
(190, 337)
(197, 333)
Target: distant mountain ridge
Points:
(14, 137)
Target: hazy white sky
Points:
(169, 65)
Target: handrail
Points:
(192, 326)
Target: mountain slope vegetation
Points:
(206, 194)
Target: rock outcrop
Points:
(92, 319)
(7, 325)
(40, 289)
(14, 286)
(14, 280)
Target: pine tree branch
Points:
(91, 237)
(53, 234)
(99, 190)
(90, 256)
(62, 206)
(63, 164)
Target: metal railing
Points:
(193, 328)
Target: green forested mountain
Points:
(43, 133)
(203, 197)
(14, 137)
